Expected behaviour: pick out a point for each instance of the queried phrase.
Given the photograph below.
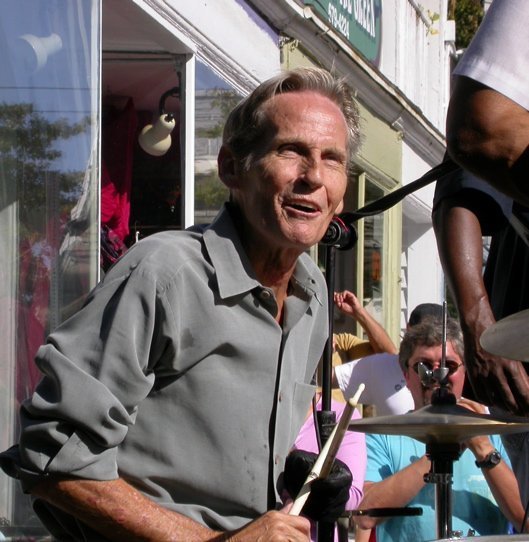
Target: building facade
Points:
(398, 56)
(82, 79)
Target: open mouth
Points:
(306, 208)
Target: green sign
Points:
(360, 21)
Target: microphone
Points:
(340, 234)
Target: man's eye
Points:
(334, 158)
(288, 149)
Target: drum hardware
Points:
(442, 456)
(508, 337)
(388, 512)
(490, 538)
(443, 426)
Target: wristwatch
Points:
(490, 461)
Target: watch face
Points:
(495, 457)
(490, 461)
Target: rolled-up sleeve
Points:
(96, 371)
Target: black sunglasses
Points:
(452, 366)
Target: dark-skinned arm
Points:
(488, 134)
(495, 381)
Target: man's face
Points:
(298, 178)
(431, 356)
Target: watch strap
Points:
(492, 459)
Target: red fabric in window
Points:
(118, 138)
(117, 149)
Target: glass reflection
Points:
(48, 167)
(215, 98)
(373, 245)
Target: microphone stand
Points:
(347, 238)
(326, 416)
(342, 234)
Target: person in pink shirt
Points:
(352, 452)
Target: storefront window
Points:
(373, 245)
(141, 177)
(214, 100)
(360, 269)
(48, 196)
(345, 274)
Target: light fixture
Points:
(34, 51)
(155, 139)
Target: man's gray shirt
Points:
(176, 377)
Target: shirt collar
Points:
(233, 269)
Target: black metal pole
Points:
(326, 384)
(442, 456)
(327, 417)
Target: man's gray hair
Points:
(430, 333)
(247, 122)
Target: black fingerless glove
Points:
(328, 496)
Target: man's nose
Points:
(312, 171)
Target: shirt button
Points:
(277, 459)
(280, 397)
(265, 295)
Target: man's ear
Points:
(227, 166)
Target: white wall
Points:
(415, 54)
(227, 35)
(421, 268)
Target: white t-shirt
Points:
(385, 385)
(498, 55)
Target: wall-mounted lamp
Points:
(33, 51)
(155, 139)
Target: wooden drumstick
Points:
(324, 461)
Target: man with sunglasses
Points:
(485, 493)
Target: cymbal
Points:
(441, 423)
(508, 337)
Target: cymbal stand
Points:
(442, 456)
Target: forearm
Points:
(504, 487)
(501, 481)
(393, 492)
(119, 512)
(460, 246)
(495, 380)
(379, 340)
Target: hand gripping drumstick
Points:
(323, 463)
